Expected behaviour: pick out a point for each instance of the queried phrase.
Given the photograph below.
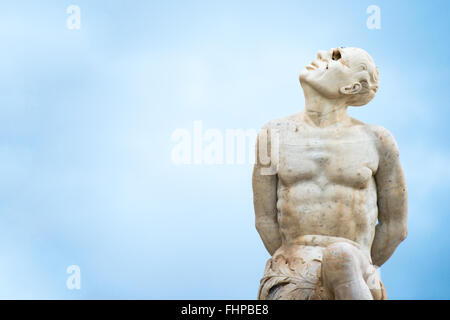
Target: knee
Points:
(339, 257)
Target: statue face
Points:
(336, 69)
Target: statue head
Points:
(346, 74)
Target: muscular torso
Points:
(326, 182)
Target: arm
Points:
(392, 195)
(265, 201)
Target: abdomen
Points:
(333, 210)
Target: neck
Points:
(323, 112)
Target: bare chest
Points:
(346, 157)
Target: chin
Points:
(303, 76)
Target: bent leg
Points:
(342, 269)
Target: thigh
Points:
(373, 281)
(344, 254)
(372, 277)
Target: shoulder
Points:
(281, 123)
(277, 127)
(384, 140)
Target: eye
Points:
(336, 55)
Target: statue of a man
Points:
(331, 202)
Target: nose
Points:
(322, 55)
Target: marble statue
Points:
(330, 197)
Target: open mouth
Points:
(312, 66)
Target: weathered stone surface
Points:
(329, 192)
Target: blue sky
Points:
(86, 118)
